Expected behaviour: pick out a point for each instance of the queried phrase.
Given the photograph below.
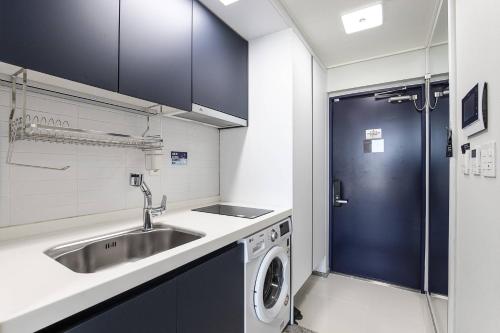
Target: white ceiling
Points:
(441, 32)
(250, 18)
(407, 25)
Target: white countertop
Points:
(36, 291)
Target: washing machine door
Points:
(271, 285)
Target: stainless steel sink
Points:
(92, 255)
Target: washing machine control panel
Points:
(262, 241)
(256, 244)
(274, 235)
(284, 228)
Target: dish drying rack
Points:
(40, 129)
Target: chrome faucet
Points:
(136, 180)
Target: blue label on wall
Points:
(179, 157)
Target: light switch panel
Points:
(488, 159)
(466, 162)
(475, 161)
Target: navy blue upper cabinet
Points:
(155, 51)
(75, 40)
(220, 65)
(172, 52)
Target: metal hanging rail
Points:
(53, 130)
(49, 89)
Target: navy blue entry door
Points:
(378, 234)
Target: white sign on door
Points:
(373, 134)
(378, 146)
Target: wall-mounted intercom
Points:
(475, 110)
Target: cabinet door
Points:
(75, 40)
(220, 65)
(153, 311)
(155, 51)
(211, 295)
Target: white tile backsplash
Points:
(97, 180)
(4, 128)
(40, 207)
(4, 97)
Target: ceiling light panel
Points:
(363, 19)
(228, 2)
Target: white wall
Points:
(270, 162)
(256, 162)
(98, 178)
(439, 59)
(320, 170)
(302, 164)
(396, 68)
(477, 280)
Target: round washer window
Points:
(273, 283)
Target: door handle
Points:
(337, 194)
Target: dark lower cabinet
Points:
(150, 312)
(204, 296)
(155, 51)
(72, 39)
(220, 64)
(211, 295)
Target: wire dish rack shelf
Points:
(57, 131)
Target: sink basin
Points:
(94, 254)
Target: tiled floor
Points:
(440, 307)
(296, 329)
(339, 304)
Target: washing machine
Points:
(267, 279)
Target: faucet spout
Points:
(137, 180)
(148, 220)
(148, 197)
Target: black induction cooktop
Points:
(236, 211)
